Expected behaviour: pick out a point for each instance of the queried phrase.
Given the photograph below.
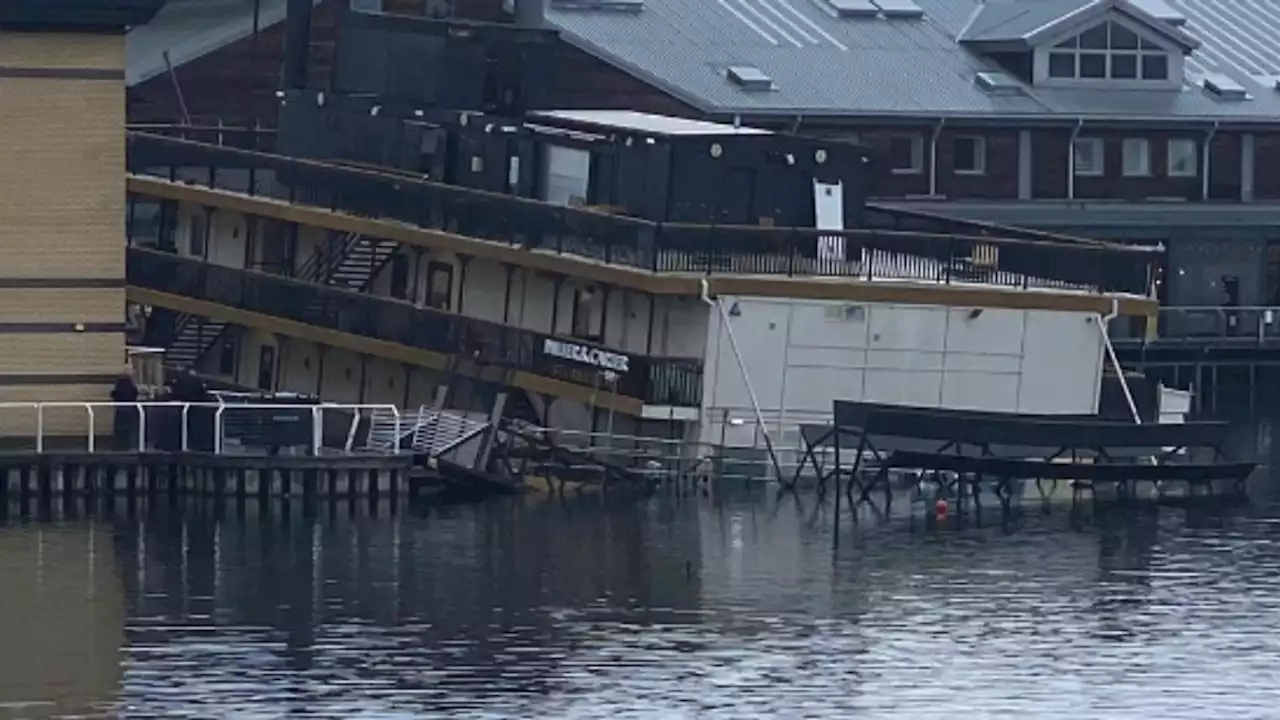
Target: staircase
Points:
(194, 337)
(350, 262)
(358, 261)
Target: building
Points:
(62, 203)
(1137, 120)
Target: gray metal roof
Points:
(823, 64)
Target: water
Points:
(729, 607)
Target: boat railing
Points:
(201, 426)
(980, 258)
(1221, 324)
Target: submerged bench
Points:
(1006, 445)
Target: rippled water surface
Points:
(732, 607)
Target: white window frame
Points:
(1137, 157)
(1100, 154)
(917, 154)
(1149, 44)
(1192, 155)
(979, 155)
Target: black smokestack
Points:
(297, 43)
(530, 13)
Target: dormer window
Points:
(1108, 51)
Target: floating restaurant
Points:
(406, 269)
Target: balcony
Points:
(524, 231)
(673, 382)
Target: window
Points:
(1088, 156)
(1109, 50)
(1182, 158)
(906, 154)
(196, 239)
(1137, 157)
(969, 155)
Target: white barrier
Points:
(39, 411)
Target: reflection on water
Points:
(734, 607)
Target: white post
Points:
(317, 430)
(142, 428)
(89, 408)
(186, 431)
(39, 427)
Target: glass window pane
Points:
(1137, 157)
(1062, 65)
(1124, 66)
(1088, 156)
(1182, 158)
(1070, 43)
(1093, 65)
(903, 153)
(1155, 67)
(1095, 38)
(1122, 38)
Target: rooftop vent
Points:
(616, 5)
(854, 8)
(1225, 88)
(749, 78)
(998, 83)
(899, 8)
(1161, 10)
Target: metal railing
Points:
(657, 247)
(201, 426)
(655, 380)
(1218, 325)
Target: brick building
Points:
(1142, 120)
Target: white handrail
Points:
(91, 409)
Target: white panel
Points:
(903, 387)
(760, 329)
(1062, 364)
(987, 331)
(990, 392)
(568, 175)
(811, 389)
(904, 327)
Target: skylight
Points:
(854, 8)
(899, 8)
(749, 77)
(1224, 87)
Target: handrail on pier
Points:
(218, 410)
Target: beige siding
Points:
(63, 178)
(59, 305)
(65, 51)
(61, 353)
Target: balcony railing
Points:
(1211, 325)
(654, 380)
(868, 255)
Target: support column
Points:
(463, 262)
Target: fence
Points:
(219, 428)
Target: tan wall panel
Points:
(62, 353)
(62, 305)
(66, 51)
(63, 204)
(63, 421)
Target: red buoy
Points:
(940, 508)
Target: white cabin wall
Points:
(802, 354)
